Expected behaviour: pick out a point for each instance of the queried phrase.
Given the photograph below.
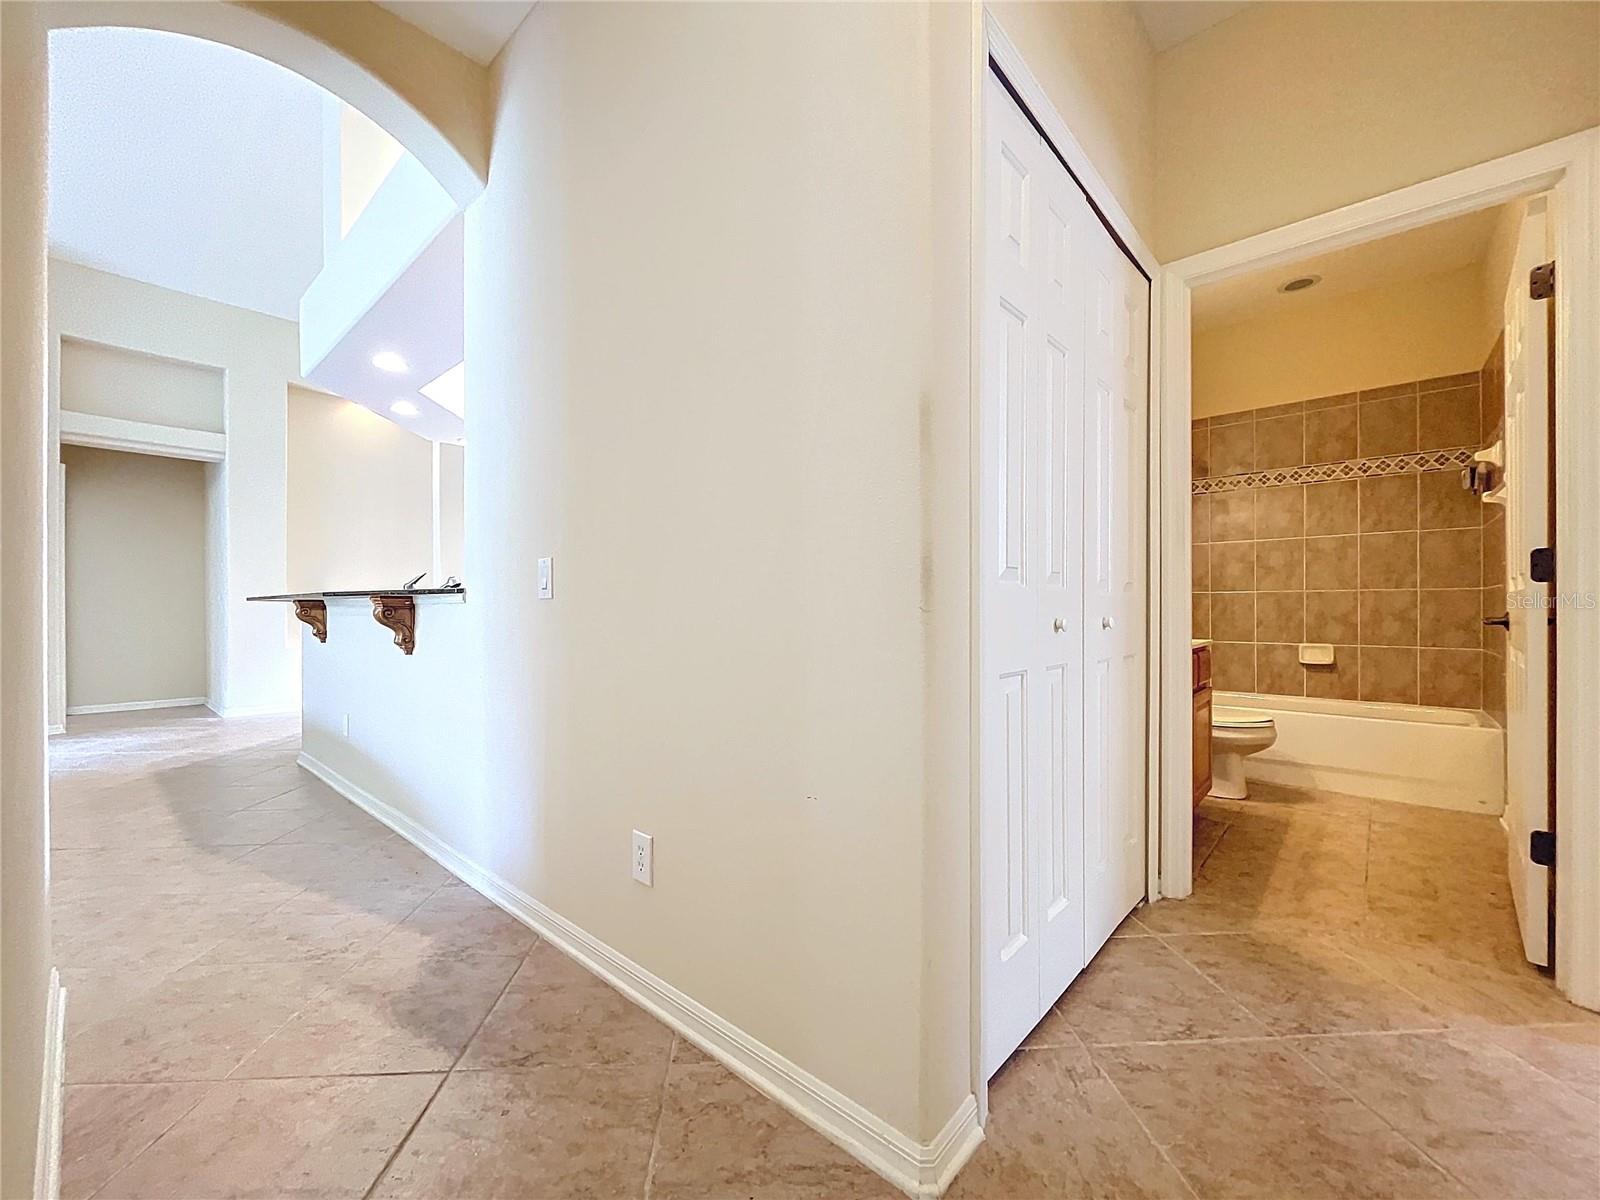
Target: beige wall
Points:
(24, 886)
(1414, 329)
(360, 497)
(135, 561)
(109, 382)
(1095, 63)
(1288, 110)
(251, 661)
(761, 572)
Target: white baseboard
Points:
(919, 1169)
(84, 710)
(228, 712)
(47, 1160)
(52, 730)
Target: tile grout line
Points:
(661, 1112)
(445, 1075)
(1162, 1150)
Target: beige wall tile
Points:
(1332, 507)
(1280, 511)
(1493, 604)
(1233, 448)
(1389, 674)
(1451, 678)
(1389, 618)
(1243, 416)
(1494, 687)
(1332, 616)
(1278, 670)
(1389, 560)
(1280, 441)
(1199, 453)
(1200, 518)
(1451, 618)
(1233, 516)
(1280, 617)
(1444, 382)
(1280, 564)
(1200, 567)
(1331, 435)
(1233, 666)
(1494, 549)
(1200, 615)
(1492, 398)
(1341, 681)
(1331, 563)
(1233, 616)
(1448, 419)
(1233, 566)
(1444, 504)
(1340, 400)
(1385, 393)
(1387, 426)
(1449, 557)
(1388, 502)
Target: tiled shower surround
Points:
(1342, 520)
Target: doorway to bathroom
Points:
(1371, 404)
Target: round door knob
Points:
(1108, 623)
(1060, 625)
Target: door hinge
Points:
(1542, 847)
(1542, 564)
(1542, 281)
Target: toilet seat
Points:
(1238, 718)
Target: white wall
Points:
(450, 516)
(250, 652)
(360, 497)
(24, 879)
(136, 577)
(750, 467)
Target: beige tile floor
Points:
(271, 995)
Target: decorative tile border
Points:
(1354, 468)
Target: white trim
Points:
(84, 710)
(141, 437)
(1010, 60)
(1569, 169)
(919, 1169)
(227, 712)
(47, 1160)
(52, 730)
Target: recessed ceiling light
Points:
(388, 360)
(1300, 283)
(449, 391)
(404, 408)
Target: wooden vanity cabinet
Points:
(1202, 722)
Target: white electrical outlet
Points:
(347, 725)
(546, 587)
(644, 856)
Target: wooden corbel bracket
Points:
(315, 614)
(398, 613)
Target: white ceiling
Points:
(185, 164)
(1431, 250)
(477, 28)
(1168, 22)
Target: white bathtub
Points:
(1439, 757)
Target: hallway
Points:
(270, 994)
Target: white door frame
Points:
(1569, 169)
(997, 46)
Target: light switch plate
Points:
(546, 586)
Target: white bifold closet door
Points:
(1063, 605)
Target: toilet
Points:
(1235, 734)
